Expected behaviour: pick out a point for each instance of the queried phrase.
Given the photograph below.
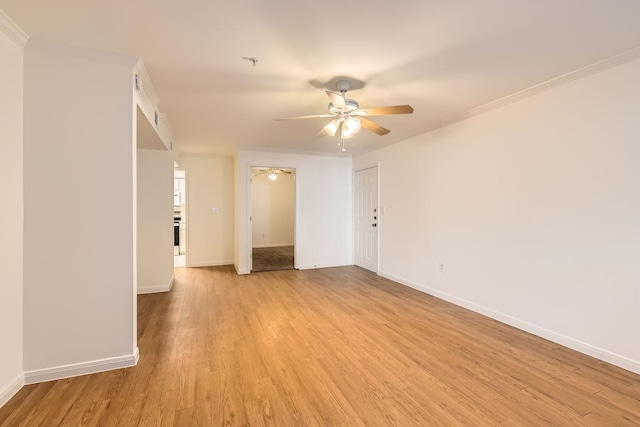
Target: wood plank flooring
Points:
(329, 347)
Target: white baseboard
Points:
(572, 343)
(209, 264)
(279, 245)
(84, 368)
(312, 266)
(157, 289)
(241, 272)
(9, 391)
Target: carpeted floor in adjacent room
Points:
(271, 259)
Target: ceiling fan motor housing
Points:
(352, 105)
(343, 85)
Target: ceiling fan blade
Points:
(373, 127)
(382, 111)
(322, 133)
(315, 116)
(337, 100)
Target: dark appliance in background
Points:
(176, 228)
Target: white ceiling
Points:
(442, 57)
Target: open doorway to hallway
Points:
(179, 218)
(273, 218)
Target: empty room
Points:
(420, 213)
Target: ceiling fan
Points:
(272, 172)
(349, 118)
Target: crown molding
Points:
(580, 73)
(11, 29)
(46, 46)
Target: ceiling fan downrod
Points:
(343, 86)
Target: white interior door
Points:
(365, 191)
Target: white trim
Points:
(249, 226)
(210, 264)
(11, 389)
(296, 221)
(249, 222)
(187, 234)
(12, 30)
(369, 166)
(572, 343)
(313, 266)
(157, 289)
(241, 272)
(39, 45)
(278, 245)
(588, 70)
(84, 368)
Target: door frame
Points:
(353, 212)
(186, 219)
(250, 214)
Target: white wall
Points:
(11, 168)
(273, 208)
(535, 210)
(155, 221)
(79, 229)
(323, 207)
(209, 183)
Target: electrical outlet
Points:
(216, 210)
(442, 267)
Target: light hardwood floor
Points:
(329, 347)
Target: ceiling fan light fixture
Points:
(350, 127)
(346, 133)
(273, 176)
(353, 124)
(332, 127)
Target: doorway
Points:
(179, 217)
(365, 218)
(272, 219)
